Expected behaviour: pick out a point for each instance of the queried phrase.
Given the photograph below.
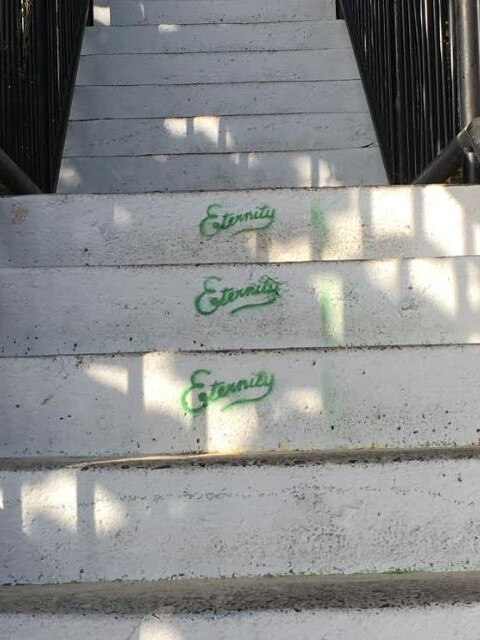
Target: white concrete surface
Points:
(140, 524)
(180, 228)
(442, 622)
(343, 96)
(141, 309)
(325, 34)
(219, 134)
(132, 405)
(206, 172)
(131, 12)
(198, 68)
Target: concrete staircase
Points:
(195, 95)
(237, 413)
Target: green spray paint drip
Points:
(218, 220)
(320, 231)
(331, 311)
(265, 292)
(200, 395)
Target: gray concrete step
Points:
(343, 607)
(144, 523)
(217, 307)
(310, 400)
(215, 134)
(239, 226)
(291, 169)
(200, 68)
(271, 36)
(150, 101)
(175, 12)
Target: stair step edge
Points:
(355, 591)
(255, 458)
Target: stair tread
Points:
(126, 12)
(150, 101)
(219, 37)
(326, 592)
(329, 400)
(198, 68)
(186, 228)
(207, 172)
(144, 308)
(219, 134)
(139, 524)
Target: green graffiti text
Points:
(266, 291)
(218, 220)
(201, 394)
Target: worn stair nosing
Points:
(355, 591)
(259, 458)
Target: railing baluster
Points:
(40, 44)
(406, 53)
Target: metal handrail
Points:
(419, 62)
(40, 43)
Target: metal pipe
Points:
(14, 178)
(469, 75)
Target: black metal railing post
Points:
(420, 69)
(468, 60)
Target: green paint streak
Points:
(327, 313)
(320, 230)
(200, 395)
(266, 290)
(218, 220)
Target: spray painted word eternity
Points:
(202, 392)
(218, 220)
(264, 292)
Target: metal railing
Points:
(419, 65)
(40, 43)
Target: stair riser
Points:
(198, 68)
(125, 12)
(293, 169)
(441, 622)
(71, 525)
(327, 224)
(137, 405)
(218, 37)
(115, 310)
(215, 134)
(92, 103)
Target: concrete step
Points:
(215, 134)
(90, 524)
(200, 68)
(207, 172)
(249, 98)
(307, 400)
(398, 616)
(271, 36)
(140, 309)
(173, 12)
(193, 228)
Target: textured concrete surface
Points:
(442, 623)
(197, 68)
(128, 12)
(321, 224)
(166, 101)
(215, 134)
(222, 307)
(332, 592)
(131, 405)
(206, 172)
(145, 524)
(325, 34)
